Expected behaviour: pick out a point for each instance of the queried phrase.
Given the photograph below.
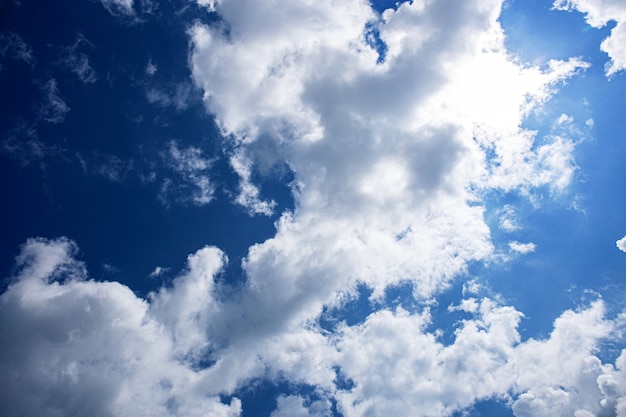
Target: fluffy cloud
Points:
(72, 346)
(522, 248)
(293, 406)
(621, 244)
(417, 374)
(390, 156)
(598, 13)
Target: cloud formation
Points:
(193, 168)
(74, 346)
(119, 7)
(75, 60)
(53, 108)
(597, 14)
(14, 47)
(621, 244)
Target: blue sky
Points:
(243, 208)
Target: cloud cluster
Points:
(390, 156)
(598, 13)
(73, 346)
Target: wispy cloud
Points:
(22, 144)
(119, 7)
(193, 183)
(53, 108)
(74, 59)
(13, 46)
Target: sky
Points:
(240, 208)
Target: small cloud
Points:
(110, 268)
(508, 219)
(151, 68)
(75, 60)
(158, 271)
(53, 109)
(178, 96)
(589, 122)
(193, 168)
(24, 146)
(112, 167)
(13, 46)
(565, 119)
(523, 248)
(119, 7)
(469, 305)
(621, 244)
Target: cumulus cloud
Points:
(621, 244)
(597, 14)
(522, 248)
(73, 346)
(508, 219)
(294, 406)
(388, 157)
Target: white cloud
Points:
(119, 7)
(104, 352)
(151, 68)
(74, 346)
(53, 108)
(249, 194)
(598, 13)
(178, 96)
(158, 271)
(294, 406)
(508, 219)
(13, 46)
(77, 61)
(383, 154)
(193, 168)
(621, 244)
(24, 146)
(522, 248)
